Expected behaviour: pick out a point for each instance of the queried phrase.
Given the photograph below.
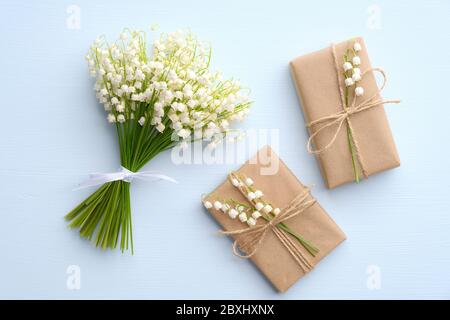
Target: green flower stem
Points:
(349, 131)
(352, 150)
(305, 243)
(92, 198)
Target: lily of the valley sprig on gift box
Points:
(155, 100)
(273, 219)
(344, 113)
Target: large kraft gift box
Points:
(281, 187)
(315, 78)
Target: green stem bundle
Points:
(105, 215)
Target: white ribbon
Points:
(124, 174)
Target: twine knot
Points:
(253, 237)
(338, 119)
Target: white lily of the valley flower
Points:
(258, 193)
(259, 206)
(359, 91)
(243, 217)
(160, 127)
(235, 182)
(217, 205)
(111, 118)
(276, 211)
(249, 181)
(251, 222)
(114, 100)
(207, 204)
(356, 61)
(121, 118)
(349, 82)
(184, 133)
(256, 214)
(172, 83)
(357, 47)
(233, 213)
(356, 77)
(347, 66)
(251, 196)
(267, 208)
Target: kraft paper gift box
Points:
(280, 186)
(318, 88)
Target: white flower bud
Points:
(359, 91)
(225, 207)
(141, 121)
(158, 106)
(267, 208)
(251, 222)
(356, 77)
(177, 125)
(111, 118)
(207, 204)
(243, 217)
(178, 94)
(356, 70)
(138, 84)
(217, 205)
(120, 108)
(233, 213)
(248, 181)
(357, 47)
(160, 127)
(258, 193)
(347, 66)
(259, 206)
(251, 196)
(349, 82)
(235, 182)
(256, 214)
(184, 133)
(356, 61)
(276, 211)
(121, 118)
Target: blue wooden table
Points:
(53, 133)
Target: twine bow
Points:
(338, 119)
(254, 236)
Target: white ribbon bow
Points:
(124, 174)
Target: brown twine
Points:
(254, 236)
(338, 119)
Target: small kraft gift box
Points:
(273, 219)
(344, 113)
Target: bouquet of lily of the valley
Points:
(156, 101)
